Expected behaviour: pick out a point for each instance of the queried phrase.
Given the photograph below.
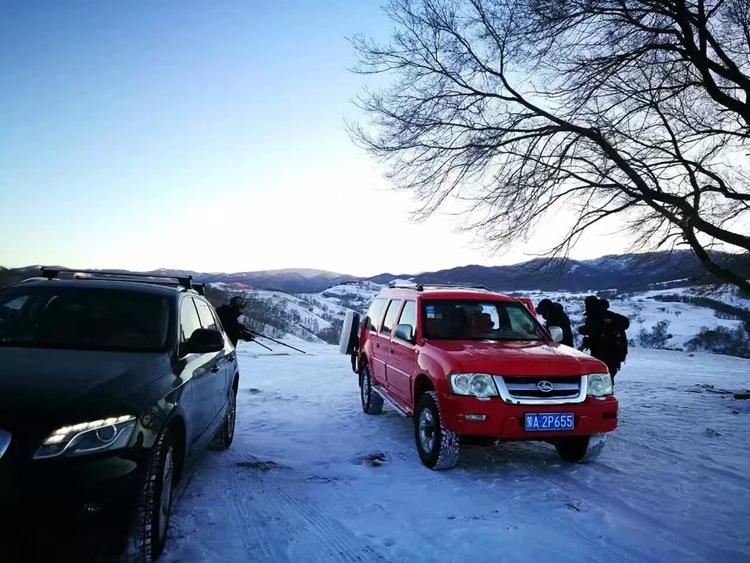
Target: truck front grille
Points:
(541, 390)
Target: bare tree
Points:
(517, 109)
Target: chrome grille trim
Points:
(572, 393)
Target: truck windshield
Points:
(449, 319)
(83, 318)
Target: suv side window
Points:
(189, 321)
(204, 312)
(375, 313)
(390, 317)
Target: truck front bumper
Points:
(495, 418)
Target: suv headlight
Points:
(473, 384)
(88, 437)
(599, 384)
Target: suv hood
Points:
(51, 386)
(518, 358)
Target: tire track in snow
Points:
(331, 541)
(248, 522)
(476, 484)
(573, 486)
(295, 520)
(595, 549)
(707, 463)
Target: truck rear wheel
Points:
(372, 402)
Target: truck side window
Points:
(375, 313)
(390, 317)
(409, 314)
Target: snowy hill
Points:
(645, 310)
(666, 312)
(658, 319)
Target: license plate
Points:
(549, 421)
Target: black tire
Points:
(225, 437)
(151, 524)
(438, 448)
(372, 402)
(580, 449)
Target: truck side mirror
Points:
(405, 332)
(556, 333)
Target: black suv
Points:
(110, 384)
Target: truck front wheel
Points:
(438, 448)
(580, 448)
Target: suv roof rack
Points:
(423, 286)
(185, 282)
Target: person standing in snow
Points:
(614, 338)
(604, 333)
(554, 315)
(229, 315)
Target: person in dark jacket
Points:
(229, 315)
(614, 338)
(604, 333)
(554, 315)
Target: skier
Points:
(554, 315)
(229, 316)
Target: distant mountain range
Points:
(629, 272)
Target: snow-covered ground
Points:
(310, 477)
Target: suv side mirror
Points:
(405, 332)
(556, 333)
(205, 341)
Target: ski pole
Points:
(264, 346)
(276, 341)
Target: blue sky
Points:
(199, 135)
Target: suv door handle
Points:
(391, 350)
(215, 369)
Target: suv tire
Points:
(225, 437)
(580, 448)
(372, 402)
(438, 448)
(149, 534)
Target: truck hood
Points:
(517, 358)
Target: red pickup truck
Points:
(469, 364)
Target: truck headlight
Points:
(473, 384)
(599, 384)
(88, 437)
